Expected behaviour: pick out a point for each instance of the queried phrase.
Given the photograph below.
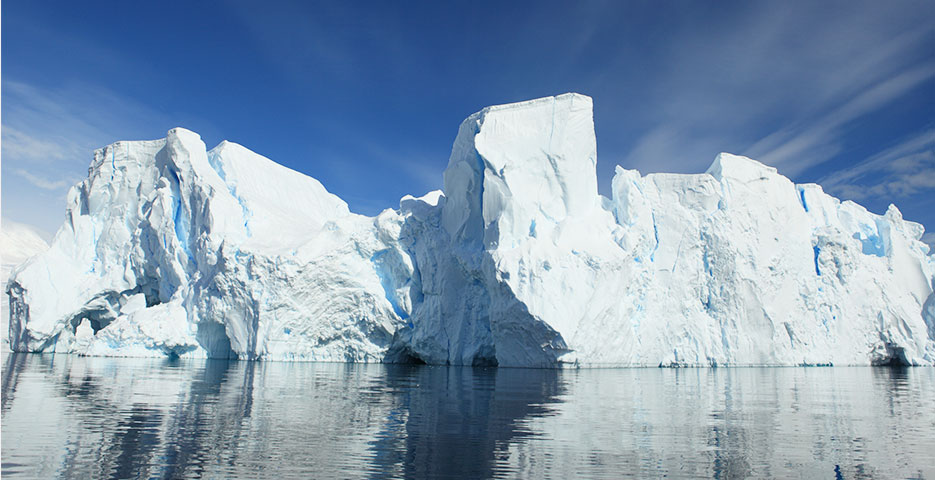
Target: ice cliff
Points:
(171, 249)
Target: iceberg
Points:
(18, 242)
(169, 249)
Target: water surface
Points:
(74, 417)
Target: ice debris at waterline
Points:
(169, 249)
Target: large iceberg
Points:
(171, 249)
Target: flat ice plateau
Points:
(169, 249)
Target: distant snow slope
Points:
(171, 249)
(18, 242)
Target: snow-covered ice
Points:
(171, 249)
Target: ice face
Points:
(521, 168)
(517, 173)
(170, 249)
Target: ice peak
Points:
(512, 165)
(238, 149)
(183, 132)
(727, 165)
(565, 98)
(431, 199)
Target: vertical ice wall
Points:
(516, 172)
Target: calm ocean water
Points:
(72, 417)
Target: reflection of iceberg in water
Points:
(117, 418)
(458, 421)
(736, 423)
(202, 428)
(127, 418)
(76, 417)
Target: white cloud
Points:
(45, 183)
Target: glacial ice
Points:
(171, 249)
(18, 242)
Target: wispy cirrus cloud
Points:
(795, 149)
(903, 174)
(21, 145)
(905, 169)
(48, 136)
(825, 92)
(46, 183)
(781, 83)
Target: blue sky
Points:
(367, 97)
